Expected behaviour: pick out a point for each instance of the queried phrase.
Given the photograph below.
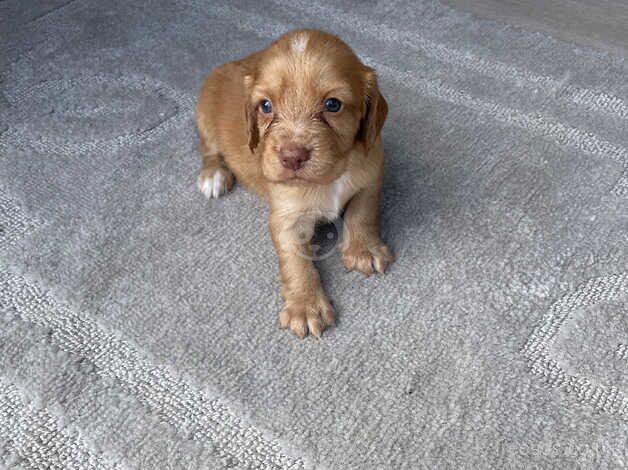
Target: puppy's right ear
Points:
(250, 111)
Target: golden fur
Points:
(298, 73)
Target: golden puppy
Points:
(299, 124)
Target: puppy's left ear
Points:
(375, 113)
(250, 111)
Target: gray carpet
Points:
(138, 324)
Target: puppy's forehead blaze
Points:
(299, 41)
(310, 75)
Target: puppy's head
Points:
(310, 102)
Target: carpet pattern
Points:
(138, 321)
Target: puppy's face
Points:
(310, 102)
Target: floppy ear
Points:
(250, 111)
(375, 113)
(251, 124)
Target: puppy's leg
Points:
(214, 179)
(306, 307)
(362, 248)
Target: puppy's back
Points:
(221, 120)
(221, 102)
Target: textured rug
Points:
(138, 320)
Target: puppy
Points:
(299, 124)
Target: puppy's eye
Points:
(332, 105)
(266, 106)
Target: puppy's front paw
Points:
(214, 182)
(367, 257)
(303, 314)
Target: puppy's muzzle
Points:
(293, 156)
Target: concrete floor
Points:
(602, 24)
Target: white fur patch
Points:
(338, 193)
(299, 43)
(213, 186)
(316, 202)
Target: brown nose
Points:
(293, 156)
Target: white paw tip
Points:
(213, 186)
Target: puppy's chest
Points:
(320, 203)
(331, 199)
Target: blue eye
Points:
(332, 105)
(266, 106)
